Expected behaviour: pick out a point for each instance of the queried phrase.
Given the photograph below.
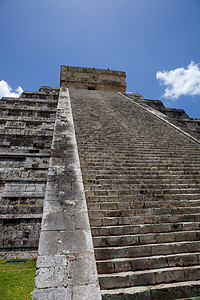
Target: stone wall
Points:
(92, 79)
(26, 131)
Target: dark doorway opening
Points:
(91, 88)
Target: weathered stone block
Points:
(49, 243)
(51, 277)
(57, 221)
(52, 294)
(75, 241)
(82, 292)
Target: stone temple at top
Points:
(103, 187)
(92, 79)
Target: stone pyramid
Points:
(112, 179)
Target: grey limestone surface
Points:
(176, 117)
(26, 130)
(66, 267)
(142, 186)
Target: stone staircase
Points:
(26, 130)
(142, 179)
(178, 117)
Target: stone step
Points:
(106, 177)
(154, 167)
(143, 190)
(139, 156)
(134, 133)
(96, 214)
(147, 238)
(156, 186)
(155, 145)
(147, 263)
(170, 180)
(35, 142)
(133, 153)
(26, 122)
(20, 210)
(144, 228)
(149, 162)
(33, 96)
(146, 250)
(169, 291)
(22, 151)
(14, 217)
(29, 164)
(31, 105)
(123, 136)
(149, 277)
(26, 132)
(135, 166)
(143, 197)
(26, 179)
(99, 175)
(23, 200)
(24, 107)
(22, 194)
(20, 174)
(145, 219)
(48, 103)
(43, 93)
(148, 177)
(131, 174)
(92, 206)
(136, 149)
(133, 145)
(26, 118)
(33, 114)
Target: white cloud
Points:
(181, 81)
(6, 90)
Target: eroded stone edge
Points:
(66, 263)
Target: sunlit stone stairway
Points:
(142, 179)
(26, 130)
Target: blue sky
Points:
(141, 37)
